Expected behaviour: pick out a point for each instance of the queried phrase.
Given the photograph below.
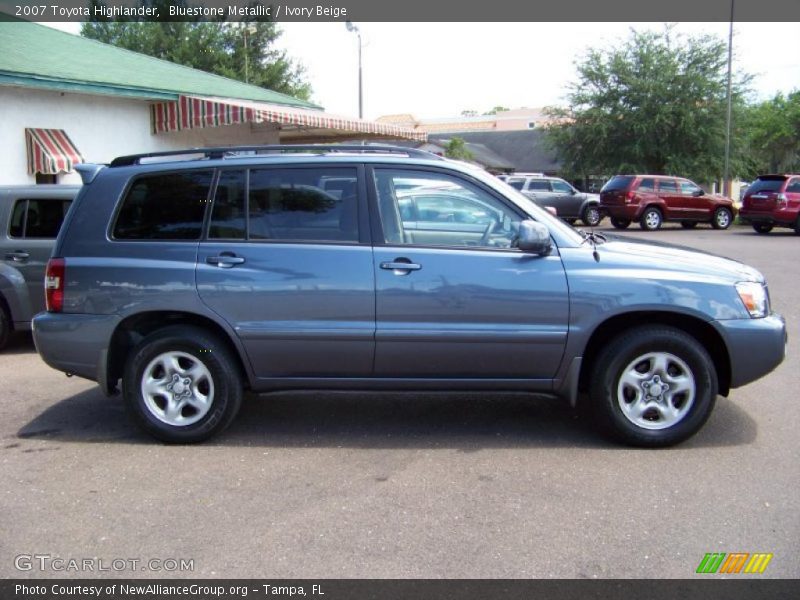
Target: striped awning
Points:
(50, 151)
(192, 112)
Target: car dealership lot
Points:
(366, 485)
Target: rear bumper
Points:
(777, 217)
(755, 346)
(631, 212)
(74, 343)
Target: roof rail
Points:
(233, 151)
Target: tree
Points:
(244, 51)
(496, 110)
(656, 103)
(773, 135)
(457, 149)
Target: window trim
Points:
(24, 219)
(376, 226)
(364, 238)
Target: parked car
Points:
(653, 199)
(772, 201)
(568, 203)
(190, 281)
(30, 217)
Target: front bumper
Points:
(755, 346)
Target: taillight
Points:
(630, 196)
(54, 284)
(781, 198)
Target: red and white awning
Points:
(50, 151)
(192, 112)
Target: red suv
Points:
(772, 201)
(653, 199)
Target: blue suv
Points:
(188, 277)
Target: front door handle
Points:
(226, 260)
(400, 266)
(18, 256)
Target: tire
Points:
(797, 226)
(5, 325)
(591, 216)
(762, 227)
(620, 223)
(651, 219)
(195, 386)
(632, 365)
(722, 219)
(688, 224)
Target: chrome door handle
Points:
(225, 261)
(18, 256)
(400, 266)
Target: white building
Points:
(67, 99)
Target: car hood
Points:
(669, 257)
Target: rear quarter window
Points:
(167, 206)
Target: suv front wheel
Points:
(653, 386)
(182, 385)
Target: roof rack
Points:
(236, 151)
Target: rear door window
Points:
(166, 206)
(667, 186)
(298, 204)
(38, 218)
(539, 185)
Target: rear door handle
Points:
(225, 260)
(18, 256)
(400, 266)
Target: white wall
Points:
(101, 127)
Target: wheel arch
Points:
(131, 330)
(701, 330)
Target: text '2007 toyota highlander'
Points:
(192, 276)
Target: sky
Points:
(434, 70)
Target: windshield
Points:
(535, 211)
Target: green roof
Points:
(33, 55)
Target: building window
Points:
(46, 178)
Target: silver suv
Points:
(30, 217)
(553, 192)
(378, 268)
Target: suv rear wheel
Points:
(651, 219)
(182, 385)
(762, 227)
(591, 216)
(653, 386)
(620, 223)
(722, 219)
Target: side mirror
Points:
(698, 193)
(534, 238)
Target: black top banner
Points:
(405, 11)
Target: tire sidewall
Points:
(620, 353)
(644, 223)
(5, 327)
(591, 210)
(715, 219)
(620, 223)
(203, 348)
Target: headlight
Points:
(754, 298)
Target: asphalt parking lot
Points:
(385, 486)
